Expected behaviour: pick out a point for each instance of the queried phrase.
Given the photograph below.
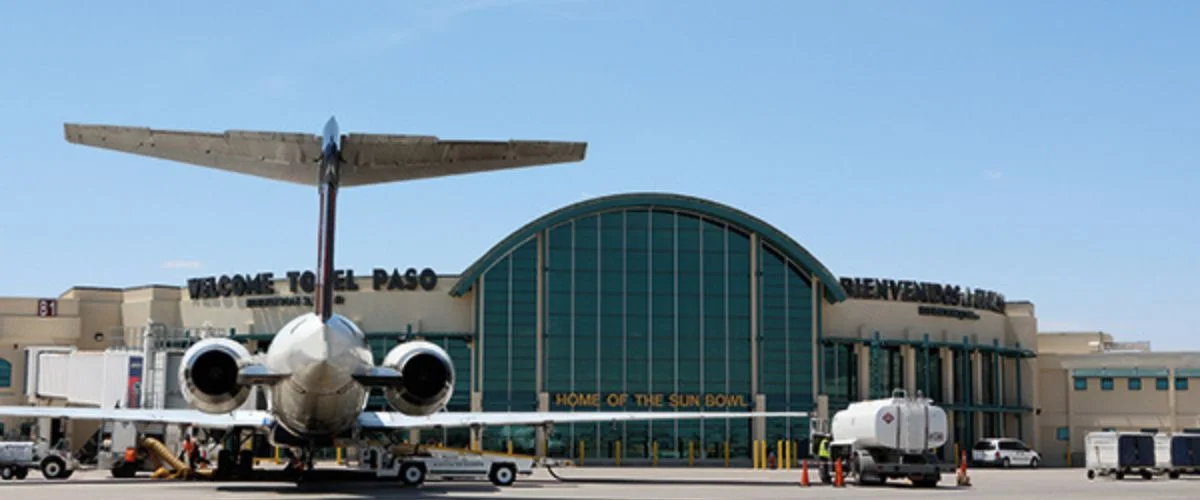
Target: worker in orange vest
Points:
(189, 450)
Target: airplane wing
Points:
(375, 158)
(293, 157)
(237, 418)
(393, 420)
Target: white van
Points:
(1004, 452)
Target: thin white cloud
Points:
(181, 264)
(994, 175)
(276, 86)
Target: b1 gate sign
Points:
(608, 400)
(47, 308)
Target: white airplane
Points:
(318, 371)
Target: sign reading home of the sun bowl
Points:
(244, 285)
(924, 293)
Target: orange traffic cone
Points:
(804, 473)
(839, 479)
(963, 478)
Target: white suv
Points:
(1004, 452)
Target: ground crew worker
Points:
(823, 450)
(189, 451)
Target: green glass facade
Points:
(646, 308)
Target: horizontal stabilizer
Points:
(374, 159)
(294, 157)
(273, 155)
(259, 375)
(379, 376)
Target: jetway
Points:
(106, 379)
(142, 371)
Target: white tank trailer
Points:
(890, 438)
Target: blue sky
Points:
(1046, 150)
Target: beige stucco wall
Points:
(374, 311)
(861, 318)
(1071, 342)
(1095, 409)
(20, 327)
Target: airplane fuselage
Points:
(320, 398)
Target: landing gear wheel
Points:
(503, 474)
(21, 472)
(53, 468)
(412, 474)
(127, 470)
(7, 473)
(225, 464)
(245, 466)
(1091, 474)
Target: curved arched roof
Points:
(708, 208)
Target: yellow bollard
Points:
(755, 454)
(779, 455)
(654, 453)
(510, 447)
(790, 451)
(618, 453)
(691, 453)
(582, 451)
(278, 460)
(727, 454)
(339, 455)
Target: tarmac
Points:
(615, 483)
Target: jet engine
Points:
(427, 378)
(209, 375)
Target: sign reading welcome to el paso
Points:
(610, 400)
(263, 284)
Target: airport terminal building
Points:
(633, 302)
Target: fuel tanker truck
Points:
(887, 438)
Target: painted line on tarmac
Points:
(711, 482)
